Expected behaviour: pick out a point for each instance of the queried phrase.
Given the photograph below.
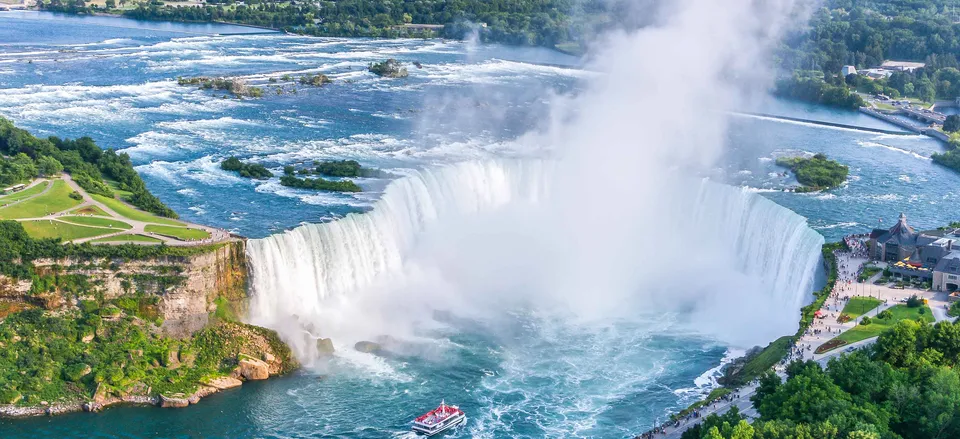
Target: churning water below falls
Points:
(478, 289)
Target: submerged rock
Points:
(224, 383)
(390, 68)
(325, 347)
(368, 347)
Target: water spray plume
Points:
(616, 224)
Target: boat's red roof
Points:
(438, 414)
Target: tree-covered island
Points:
(815, 173)
(247, 170)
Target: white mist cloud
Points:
(616, 226)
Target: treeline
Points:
(864, 33)
(527, 22)
(906, 386)
(819, 91)
(950, 158)
(81, 158)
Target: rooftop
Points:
(901, 65)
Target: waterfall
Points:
(739, 241)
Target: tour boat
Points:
(439, 419)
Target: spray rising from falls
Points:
(480, 237)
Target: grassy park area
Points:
(26, 193)
(57, 199)
(57, 229)
(89, 210)
(128, 238)
(127, 211)
(877, 326)
(181, 233)
(57, 209)
(109, 223)
(859, 305)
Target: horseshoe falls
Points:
(720, 249)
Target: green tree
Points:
(713, 433)
(952, 123)
(742, 430)
(48, 166)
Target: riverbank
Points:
(741, 374)
(220, 357)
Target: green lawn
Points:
(26, 193)
(868, 272)
(97, 222)
(89, 210)
(181, 233)
(124, 195)
(859, 305)
(56, 229)
(128, 238)
(56, 200)
(877, 326)
(127, 211)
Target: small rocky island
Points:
(390, 68)
(817, 173)
(236, 86)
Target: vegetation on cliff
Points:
(106, 348)
(248, 170)
(18, 251)
(390, 68)
(815, 173)
(89, 165)
(905, 386)
(758, 361)
(950, 158)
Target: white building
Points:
(848, 70)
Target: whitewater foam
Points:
(326, 273)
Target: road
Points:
(847, 286)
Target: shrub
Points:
(9, 396)
(885, 315)
(914, 301)
(865, 321)
(954, 310)
(76, 195)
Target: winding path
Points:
(137, 227)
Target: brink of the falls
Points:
(733, 263)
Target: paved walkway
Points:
(137, 227)
(823, 329)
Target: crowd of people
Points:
(693, 418)
(850, 265)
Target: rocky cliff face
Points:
(187, 289)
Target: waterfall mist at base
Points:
(483, 241)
